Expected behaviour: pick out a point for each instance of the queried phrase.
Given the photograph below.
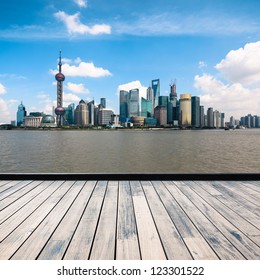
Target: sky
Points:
(209, 48)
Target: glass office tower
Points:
(195, 111)
(21, 113)
(156, 91)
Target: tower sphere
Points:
(60, 111)
(48, 119)
(59, 77)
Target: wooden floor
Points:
(129, 220)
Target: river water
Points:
(130, 151)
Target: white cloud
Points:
(202, 64)
(77, 88)
(42, 96)
(84, 69)
(2, 89)
(5, 114)
(69, 97)
(241, 94)
(174, 23)
(81, 3)
(242, 65)
(74, 25)
(231, 99)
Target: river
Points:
(130, 151)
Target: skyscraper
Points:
(195, 111)
(160, 113)
(156, 91)
(202, 117)
(150, 96)
(59, 110)
(21, 113)
(105, 116)
(173, 91)
(123, 104)
(81, 114)
(210, 122)
(172, 114)
(216, 119)
(163, 100)
(133, 103)
(146, 108)
(69, 114)
(103, 102)
(185, 110)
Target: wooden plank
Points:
(20, 203)
(14, 220)
(80, 245)
(2, 183)
(105, 237)
(17, 237)
(254, 185)
(248, 248)
(127, 241)
(60, 239)
(8, 185)
(195, 242)
(236, 188)
(173, 243)
(223, 247)
(230, 214)
(14, 187)
(246, 189)
(245, 212)
(16, 195)
(32, 247)
(230, 194)
(149, 240)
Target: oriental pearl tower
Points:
(59, 110)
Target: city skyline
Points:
(212, 50)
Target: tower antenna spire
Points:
(60, 64)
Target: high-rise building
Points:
(173, 91)
(133, 103)
(195, 111)
(91, 112)
(210, 122)
(81, 114)
(202, 119)
(185, 110)
(172, 117)
(123, 105)
(150, 96)
(232, 121)
(21, 113)
(105, 116)
(163, 101)
(59, 110)
(103, 102)
(216, 119)
(160, 113)
(69, 114)
(146, 108)
(156, 91)
(222, 120)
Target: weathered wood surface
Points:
(129, 220)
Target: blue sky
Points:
(211, 48)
